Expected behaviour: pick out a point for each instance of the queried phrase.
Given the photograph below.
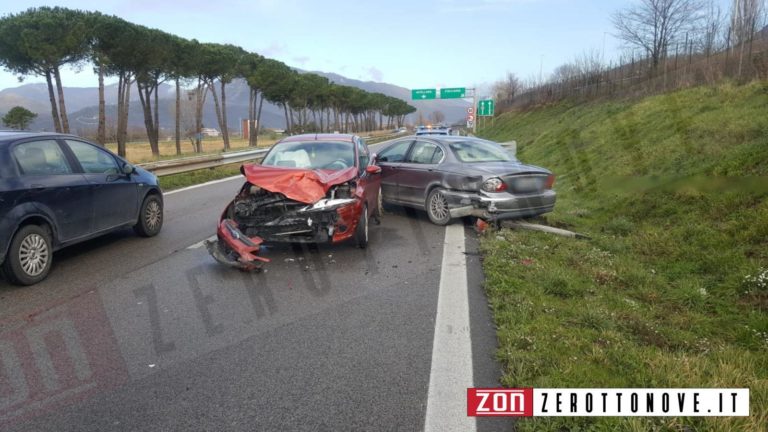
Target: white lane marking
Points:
(451, 372)
(200, 244)
(212, 182)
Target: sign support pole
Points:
(474, 105)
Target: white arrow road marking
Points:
(451, 372)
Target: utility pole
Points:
(474, 110)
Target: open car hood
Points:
(303, 185)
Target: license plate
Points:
(527, 185)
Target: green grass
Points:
(672, 190)
(178, 181)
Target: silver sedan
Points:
(452, 177)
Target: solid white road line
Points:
(212, 182)
(451, 372)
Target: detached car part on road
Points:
(452, 177)
(57, 190)
(316, 188)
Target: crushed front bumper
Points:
(235, 249)
(499, 206)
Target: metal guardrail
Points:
(194, 163)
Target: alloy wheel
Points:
(33, 254)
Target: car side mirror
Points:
(373, 169)
(128, 169)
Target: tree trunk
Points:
(123, 105)
(178, 117)
(52, 97)
(257, 127)
(157, 117)
(217, 107)
(287, 119)
(102, 133)
(145, 96)
(62, 107)
(251, 114)
(201, 93)
(224, 126)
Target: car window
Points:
(312, 155)
(425, 153)
(41, 158)
(480, 151)
(93, 160)
(396, 153)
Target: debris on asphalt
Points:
(481, 226)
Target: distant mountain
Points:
(82, 104)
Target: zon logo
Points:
(499, 402)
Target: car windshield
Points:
(480, 151)
(312, 155)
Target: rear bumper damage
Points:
(499, 206)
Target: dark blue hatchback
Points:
(57, 190)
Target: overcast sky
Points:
(411, 43)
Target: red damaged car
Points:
(318, 188)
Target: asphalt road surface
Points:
(151, 334)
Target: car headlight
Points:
(494, 184)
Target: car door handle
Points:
(37, 186)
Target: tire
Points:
(29, 257)
(150, 217)
(361, 232)
(437, 207)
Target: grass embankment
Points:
(664, 294)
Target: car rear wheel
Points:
(361, 232)
(437, 207)
(29, 256)
(150, 217)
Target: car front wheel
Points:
(150, 217)
(29, 256)
(361, 232)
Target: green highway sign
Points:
(453, 93)
(485, 108)
(421, 94)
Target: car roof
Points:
(320, 137)
(8, 136)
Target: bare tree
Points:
(710, 41)
(437, 117)
(505, 90)
(654, 25)
(745, 18)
